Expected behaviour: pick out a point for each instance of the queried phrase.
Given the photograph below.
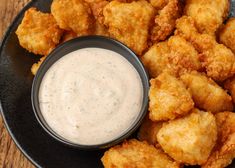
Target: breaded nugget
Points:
(218, 60)
(73, 15)
(183, 57)
(206, 93)
(38, 32)
(129, 23)
(156, 59)
(208, 14)
(175, 56)
(36, 66)
(136, 154)
(227, 34)
(190, 139)
(165, 21)
(148, 131)
(224, 151)
(230, 86)
(68, 35)
(169, 98)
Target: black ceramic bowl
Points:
(86, 42)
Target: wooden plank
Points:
(10, 156)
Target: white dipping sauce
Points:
(91, 96)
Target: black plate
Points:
(17, 112)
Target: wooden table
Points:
(10, 156)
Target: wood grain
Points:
(10, 156)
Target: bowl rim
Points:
(42, 71)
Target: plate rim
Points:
(4, 38)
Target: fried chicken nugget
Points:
(148, 131)
(129, 23)
(165, 21)
(36, 66)
(206, 93)
(218, 60)
(230, 86)
(224, 151)
(169, 98)
(175, 56)
(190, 139)
(227, 34)
(73, 15)
(183, 57)
(136, 154)
(208, 14)
(156, 59)
(38, 32)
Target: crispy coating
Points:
(36, 66)
(190, 139)
(73, 15)
(175, 56)
(129, 23)
(97, 7)
(183, 57)
(156, 59)
(100, 29)
(165, 21)
(169, 98)
(230, 86)
(148, 131)
(224, 151)
(38, 32)
(136, 154)
(218, 60)
(208, 14)
(227, 34)
(158, 4)
(206, 93)
(68, 35)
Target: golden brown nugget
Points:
(73, 15)
(136, 154)
(183, 57)
(224, 151)
(165, 21)
(148, 131)
(190, 139)
(227, 34)
(206, 93)
(218, 60)
(208, 14)
(129, 23)
(156, 59)
(230, 86)
(175, 56)
(169, 98)
(38, 32)
(36, 66)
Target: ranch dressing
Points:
(91, 96)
